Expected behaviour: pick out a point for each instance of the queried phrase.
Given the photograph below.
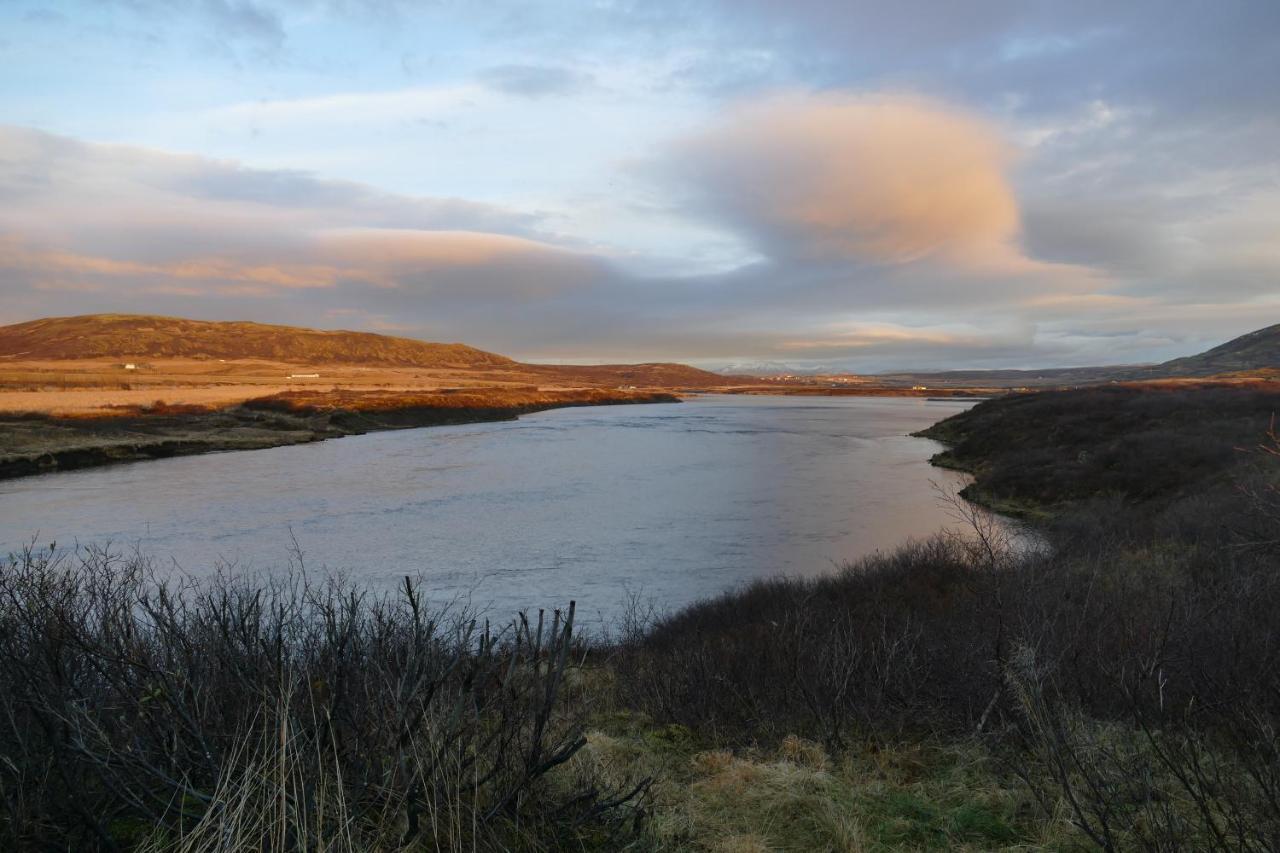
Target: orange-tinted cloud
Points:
(68, 265)
(133, 222)
(885, 179)
(420, 261)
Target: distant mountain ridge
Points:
(662, 374)
(138, 336)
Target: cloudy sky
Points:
(863, 185)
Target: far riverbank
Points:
(36, 443)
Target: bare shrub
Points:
(1134, 784)
(277, 714)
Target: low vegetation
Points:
(1116, 687)
(57, 351)
(1034, 453)
(241, 715)
(149, 336)
(38, 443)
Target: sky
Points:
(854, 185)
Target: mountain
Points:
(1256, 353)
(766, 368)
(661, 374)
(138, 336)
(1258, 350)
(134, 337)
(1008, 378)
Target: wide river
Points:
(674, 502)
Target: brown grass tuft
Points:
(803, 753)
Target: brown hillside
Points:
(134, 336)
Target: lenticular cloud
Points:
(882, 179)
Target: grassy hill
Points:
(1255, 351)
(137, 337)
(1256, 354)
(126, 336)
(660, 374)
(1033, 454)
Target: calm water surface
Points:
(674, 501)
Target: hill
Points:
(1032, 454)
(661, 374)
(1255, 351)
(1256, 354)
(1009, 378)
(137, 336)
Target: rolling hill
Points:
(137, 337)
(658, 374)
(126, 337)
(134, 336)
(1259, 350)
(1254, 354)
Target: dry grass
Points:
(80, 402)
(95, 385)
(516, 399)
(874, 796)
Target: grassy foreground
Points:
(1119, 690)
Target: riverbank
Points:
(866, 390)
(1036, 455)
(39, 442)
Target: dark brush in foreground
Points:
(284, 715)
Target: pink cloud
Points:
(887, 179)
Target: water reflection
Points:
(678, 501)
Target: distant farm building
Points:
(131, 366)
(304, 375)
(919, 387)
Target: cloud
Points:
(880, 179)
(841, 220)
(43, 16)
(535, 81)
(241, 19)
(131, 229)
(420, 103)
(120, 228)
(113, 197)
(129, 224)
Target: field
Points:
(122, 431)
(81, 387)
(60, 414)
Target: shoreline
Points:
(34, 442)
(39, 443)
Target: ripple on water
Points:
(675, 501)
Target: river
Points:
(672, 502)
